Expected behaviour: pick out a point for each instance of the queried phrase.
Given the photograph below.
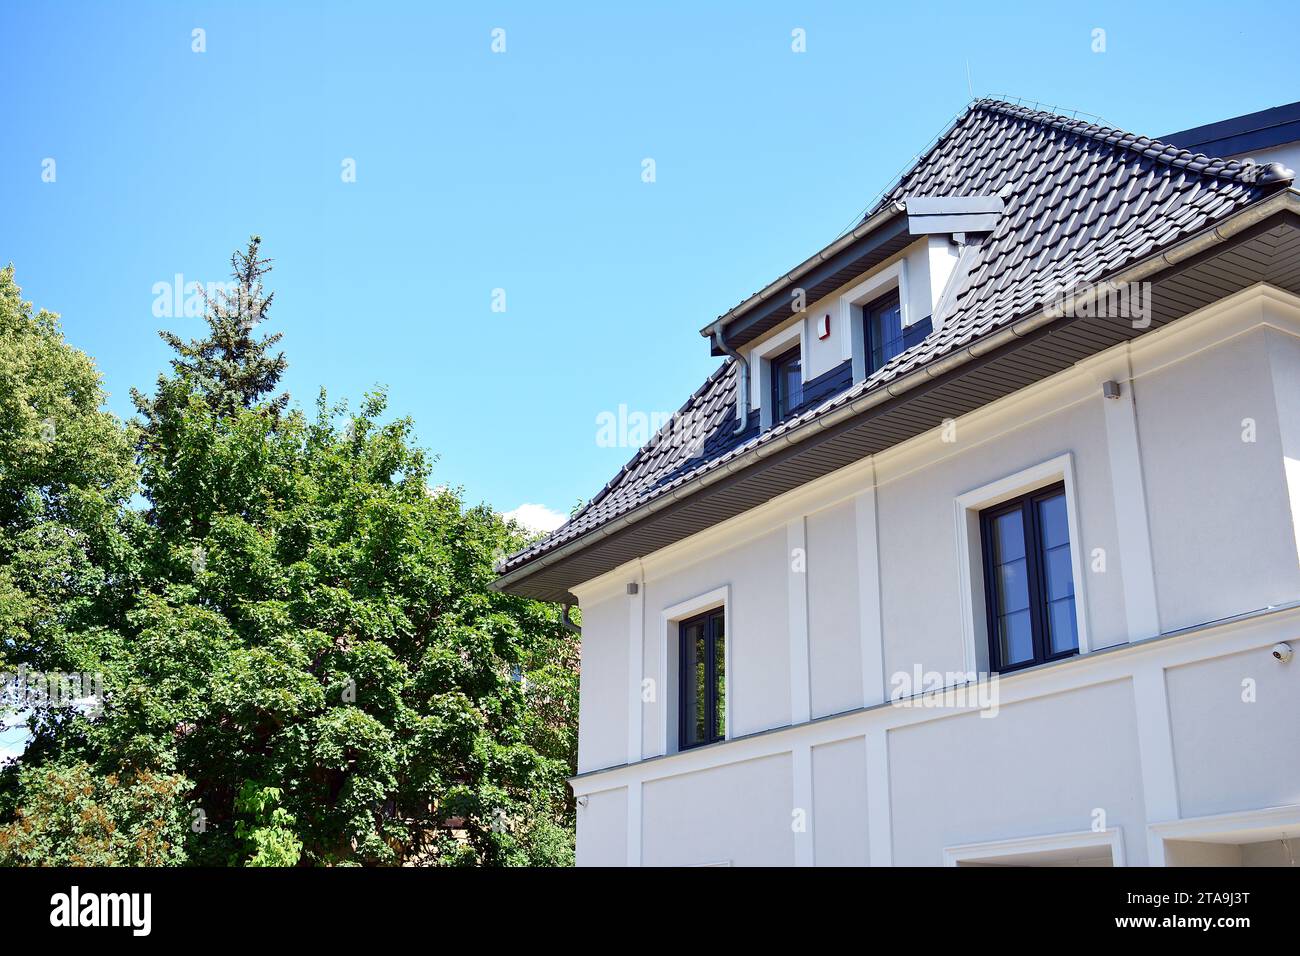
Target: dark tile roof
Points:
(1082, 202)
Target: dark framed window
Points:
(1029, 580)
(883, 330)
(787, 383)
(702, 680)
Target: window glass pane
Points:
(884, 332)
(1058, 577)
(1056, 569)
(1009, 537)
(1010, 571)
(1062, 626)
(1053, 522)
(1016, 638)
(793, 386)
(1013, 587)
(694, 666)
(787, 384)
(720, 673)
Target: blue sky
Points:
(521, 171)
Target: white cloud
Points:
(537, 517)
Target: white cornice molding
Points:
(1255, 631)
(1223, 825)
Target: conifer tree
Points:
(230, 366)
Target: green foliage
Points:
(266, 827)
(73, 816)
(66, 473)
(297, 625)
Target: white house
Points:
(982, 545)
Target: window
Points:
(702, 715)
(1029, 580)
(883, 333)
(684, 626)
(787, 384)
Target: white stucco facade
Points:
(1173, 737)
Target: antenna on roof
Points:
(970, 88)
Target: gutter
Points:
(834, 249)
(742, 380)
(1288, 199)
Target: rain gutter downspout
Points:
(742, 380)
(716, 330)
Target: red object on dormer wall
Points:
(825, 331)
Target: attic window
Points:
(787, 384)
(874, 314)
(884, 330)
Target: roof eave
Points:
(826, 254)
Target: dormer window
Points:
(780, 365)
(875, 314)
(787, 384)
(883, 334)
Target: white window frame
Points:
(671, 618)
(851, 303)
(970, 554)
(994, 850)
(760, 363)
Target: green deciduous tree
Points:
(66, 471)
(307, 638)
(68, 542)
(74, 816)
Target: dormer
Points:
(848, 311)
